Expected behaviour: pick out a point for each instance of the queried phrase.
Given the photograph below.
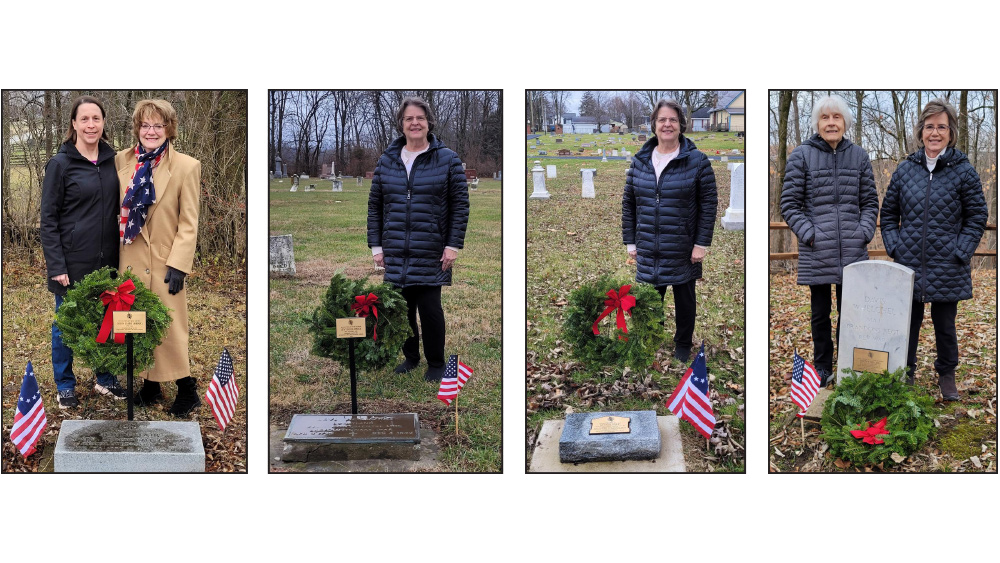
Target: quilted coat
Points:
(829, 201)
(413, 217)
(665, 218)
(932, 223)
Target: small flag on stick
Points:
(455, 375)
(29, 419)
(690, 400)
(805, 384)
(223, 393)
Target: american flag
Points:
(805, 384)
(455, 375)
(223, 393)
(29, 420)
(690, 401)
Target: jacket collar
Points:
(817, 141)
(395, 148)
(645, 154)
(104, 151)
(949, 157)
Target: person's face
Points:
(936, 134)
(89, 123)
(668, 126)
(415, 124)
(831, 126)
(152, 132)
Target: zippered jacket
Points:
(932, 223)
(830, 202)
(413, 218)
(79, 219)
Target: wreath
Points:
(613, 346)
(872, 416)
(82, 315)
(386, 325)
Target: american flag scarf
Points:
(140, 194)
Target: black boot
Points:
(406, 366)
(149, 394)
(187, 397)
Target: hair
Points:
(672, 105)
(934, 107)
(71, 133)
(420, 103)
(147, 108)
(837, 105)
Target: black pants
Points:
(686, 308)
(946, 340)
(427, 300)
(820, 302)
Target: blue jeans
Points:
(62, 361)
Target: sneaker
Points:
(434, 373)
(405, 367)
(113, 389)
(67, 399)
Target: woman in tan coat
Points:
(160, 188)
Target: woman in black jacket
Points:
(79, 226)
(933, 216)
(418, 209)
(829, 201)
(668, 216)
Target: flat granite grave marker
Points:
(733, 219)
(538, 182)
(588, 182)
(281, 256)
(875, 317)
(609, 436)
(330, 437)
(117, 446)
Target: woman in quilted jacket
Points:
(418, 209)
(668, 216)
(829, 201)
(933, 216)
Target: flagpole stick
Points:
(456, 415)
(802, 425)
(457, 361)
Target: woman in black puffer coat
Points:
(668, 216)
(418, 209)
(933, 216)
(829, 201)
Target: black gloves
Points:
(175, 280)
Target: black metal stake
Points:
(354, 380)
(129, 363)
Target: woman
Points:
(418, 209)
(829, 201)
(79, 214)
(933, 216)
(160, 188)
(668, 216)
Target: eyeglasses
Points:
(938, 128)
(410, 118)
(671, 120)
(146, 127)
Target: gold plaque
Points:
(352, 327)
(610, 425)
(874, 361)
(129, 322)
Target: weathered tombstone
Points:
(538, 182)
(875, 317)
(558, 140)
(588, 182)
(369, 174)
(542, 153)
(295, 184)
(333, 168)
(342, 437)
(281, 256)
(303, 176)
(724, 158)
(614, 152)
(550, 171)
(463, 166)
(122, 446)
(733, 219)
(278, 170)
(642, 138)
(338, 185)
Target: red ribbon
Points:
(361, 307)
(871, 434)
(120, 300)
(621, 301)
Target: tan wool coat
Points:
(167, 239)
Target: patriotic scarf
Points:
(140, 194)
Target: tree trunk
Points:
(963, 121)
(859, 95)
(795, 118)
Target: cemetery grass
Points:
(571, 241)
(707, 142)
(966, 434)
(330, 235)
(217, 318)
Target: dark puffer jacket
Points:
(829, 201)
(932, 223)
(664, 219)
(79, 222)
(414, 217)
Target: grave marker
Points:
(733, 220)
(550, 171)
(538, 182)
(281, 257)
(588, 182)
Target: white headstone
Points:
(588, 181)
(338, 185)
(550, 171)
(303, 177)
(724, 158)
(875, 315)
(733, 220)
(333, 168)
(538, 182)
(614, 152)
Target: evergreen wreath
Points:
(644, 321)
(863, 400)
(82, 313)
(393, 326)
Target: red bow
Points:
(361, 306)
(120, 300)
(871, 434)
(622, 301)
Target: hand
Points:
(175, 280)
(61, 279)
(633, 254)
(447, 259)
(379, 260)
(698, 254)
